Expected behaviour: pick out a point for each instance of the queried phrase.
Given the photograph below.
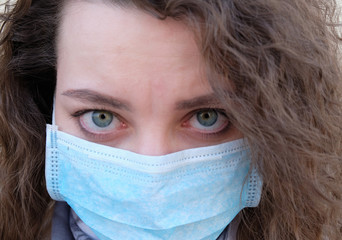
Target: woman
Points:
(134, 86)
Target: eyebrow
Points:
(91, 96)
(209, 100)
(98, 98)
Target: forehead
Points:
(101, 45)
(85, 22)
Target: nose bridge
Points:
(153, 141)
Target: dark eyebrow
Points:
(98, 98)
(209, 100)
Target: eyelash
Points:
(185, 124)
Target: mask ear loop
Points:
(53, 110)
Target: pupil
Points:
(206, 116)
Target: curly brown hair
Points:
(281, 59)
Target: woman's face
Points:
(128, 80)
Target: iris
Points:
(102, 118)
(207, 118)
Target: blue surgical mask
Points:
(191, 194)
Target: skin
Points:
(146, 73)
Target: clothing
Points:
(60, 222)
(62, 225)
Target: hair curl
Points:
(281, 59)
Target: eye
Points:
(208, 121)
(99, 121)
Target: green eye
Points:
(102, 118)
(207, 118)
